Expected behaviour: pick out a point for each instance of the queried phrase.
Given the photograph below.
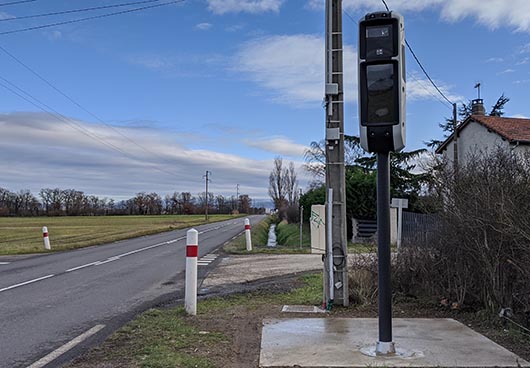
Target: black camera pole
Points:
(385, 344)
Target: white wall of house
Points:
(476, 139)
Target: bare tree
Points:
(283, 186)
(277, 183)
(291, 185)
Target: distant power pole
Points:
(335, 172)
(207, 179)
(237, 197)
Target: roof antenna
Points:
(477, 86)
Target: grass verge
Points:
(24, 235)
(288, 239)
(168, 338)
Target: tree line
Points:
(71, 202)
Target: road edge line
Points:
(66, 347)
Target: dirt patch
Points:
(240, 324)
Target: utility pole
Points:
(455, 139)
(237, 197)
(207, 179)
(301, 218)
(335, 171)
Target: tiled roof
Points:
(512, 129)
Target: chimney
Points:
(477, 107)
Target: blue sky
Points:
(224, 86)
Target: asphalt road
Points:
(47, 301)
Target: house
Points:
(481, 134)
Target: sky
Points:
(150, 100)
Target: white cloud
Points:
(244, 6)
(292, 67)
(523, 61)
(495, 60)
(278, 145)
(506, 71)
(53, 35)
(419, 88)
(490, 13)
(152, 62)
(38, 151)
(4, 15)
(203, 26)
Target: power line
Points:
(420, 83)
(420, 64)
(427, 74)
(77, 10)
(17, 2)
(417, 61)
(51, 85)
(90, 18)
(57, 115)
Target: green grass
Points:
(288, 239)
(309, 293)
(24, 235)
(168, 338)
(161, 339)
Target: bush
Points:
(481, 252)
(362, 279)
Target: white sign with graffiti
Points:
(318, 229)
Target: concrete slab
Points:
(346, 342)
(302, 309)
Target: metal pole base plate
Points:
(385, 348)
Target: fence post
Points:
(46, 238)
(247, 235)
(192, 252)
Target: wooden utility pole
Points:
(335, 171)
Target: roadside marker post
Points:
(46, 238)
(247, 235)
(192, 252)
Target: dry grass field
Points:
(24, 235)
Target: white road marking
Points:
(80, 267)
(26, 283)
(4, 263)
(111, 259)
(115, 258)
(68, 346)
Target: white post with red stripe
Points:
(192, 252)
(247, 235)
(46, 238)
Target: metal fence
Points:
(419, 229)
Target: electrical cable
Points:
(435, 96)
(78, 10)
(17, 2)
(421, 66)
(90, 18)
(51, 85)
(426, 74)
(55, 114)
(417, 61)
